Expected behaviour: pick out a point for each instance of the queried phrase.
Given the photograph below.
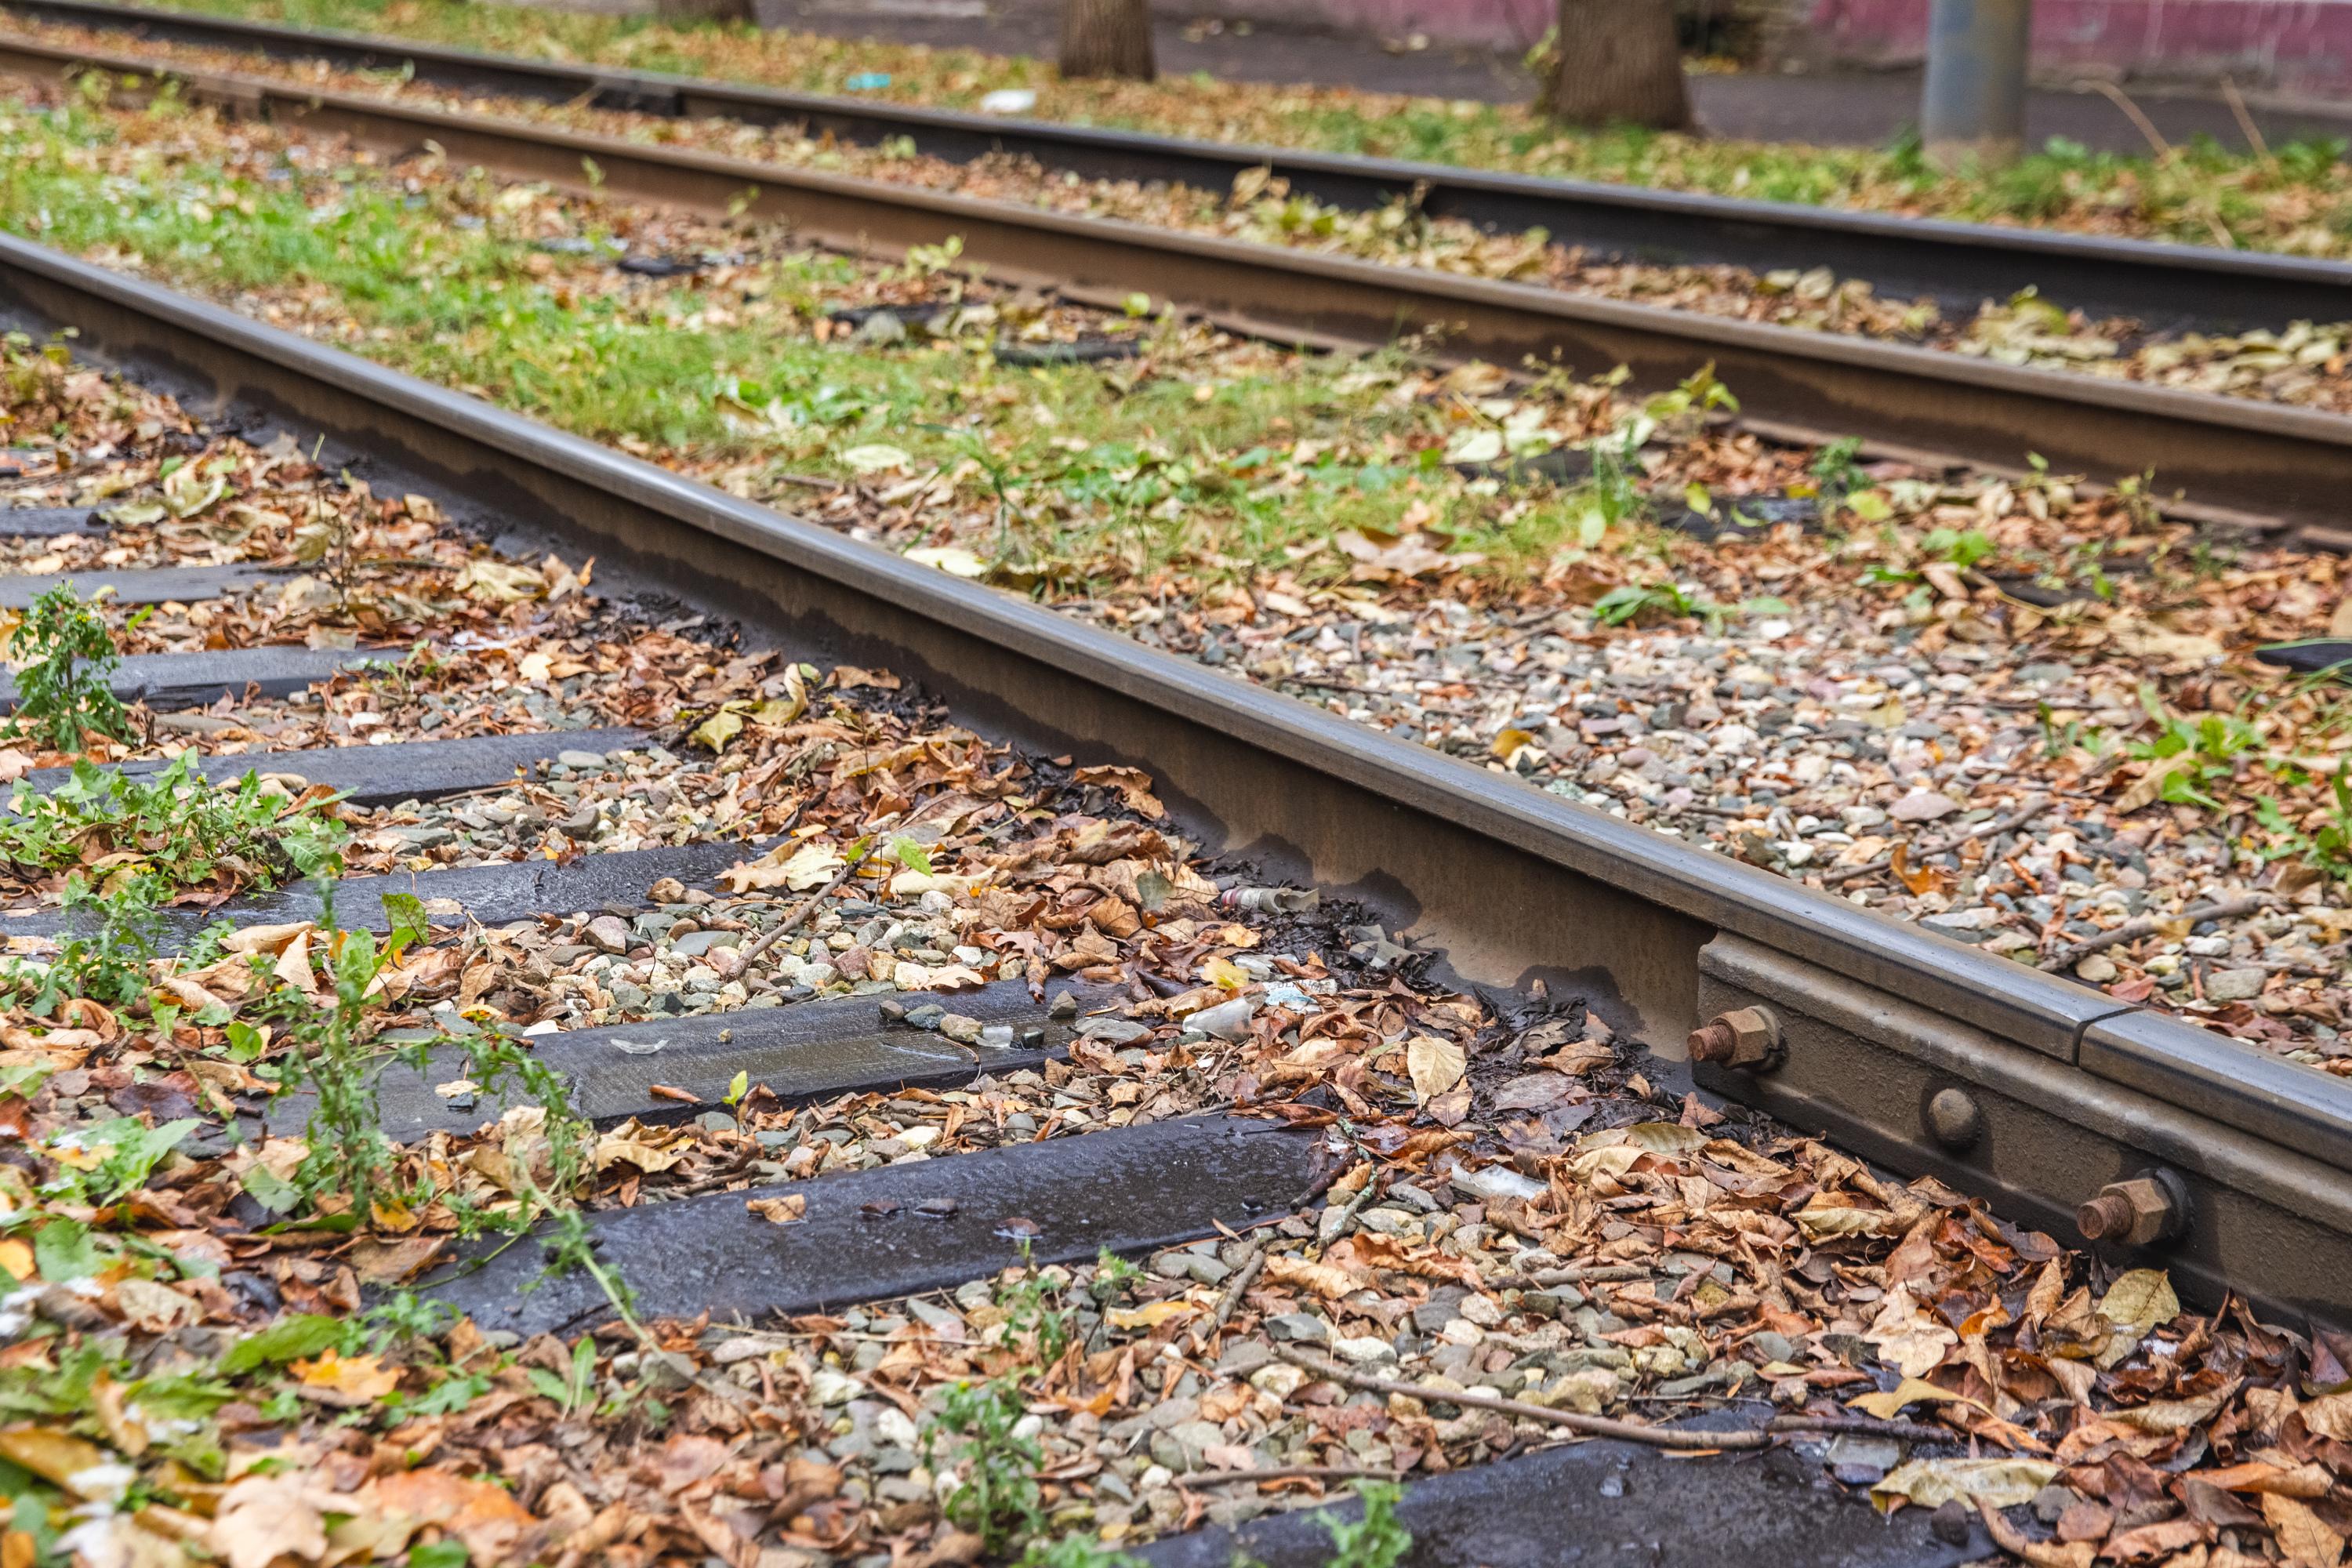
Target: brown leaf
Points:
(1435, 1063)
(2303, 1537)
(483, 1515)
(782, 1210)
(1133, 785)
(1323, 1278)
(263, 1518)
(2158, 1539)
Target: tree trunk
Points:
(1106, 37)
(1619, 64)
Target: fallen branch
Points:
(1575, 1421)
(1573, 1274)
(1286, 1473)
(1244, 1278)
(2148, 925)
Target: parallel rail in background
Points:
(1922, 1053)
(1959, 264)
(2267, 467)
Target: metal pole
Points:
(1974, 108)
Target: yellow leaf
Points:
(496, 581)
(358, 1377)
(720, 727)
(1436, 1064)
(807, 866)
(1910, 1390)
(16, 1257)
(782, 1210)
(1149, 1316)
(2140, 1301)
(952, 559)
(1224, 974)
(535, 668)
(1507, 742)
(55, 1456)
(1998, 1483)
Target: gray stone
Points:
(1301, 1326)
(2234, 984)
(1922, 805)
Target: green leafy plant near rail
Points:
(331, 1053)
(996, 1495)
(1377, 1539)
(174, 826)
(66, 659)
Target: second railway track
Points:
(2273, 468)
(1932, 1059)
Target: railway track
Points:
(2267, 468)
(1958, 264)
(2070, 1113)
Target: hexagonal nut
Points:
(1743, 1038)
(2133, 1213)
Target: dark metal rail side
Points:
(1959, 264)
(2062, 1090)
(2251, 461)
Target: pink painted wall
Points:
(1496, 24)
(2291, 45)
(2300, 46)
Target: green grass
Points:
(1089, 469)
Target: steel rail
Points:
(1919, 1051)
(1959, 264)
(2261, 465)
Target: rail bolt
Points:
(1955, 1120)
(1744, 1038)
(2137, 1213)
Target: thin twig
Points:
(1244, 1278)
(1575, 1421)
(791, 923)
(1286, 1473)
(2115, 94)
(2148, 925)
(1574, 1274)
(2246, 126)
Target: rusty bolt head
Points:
(2134, 1213)
(1956, 1119)
(1743, 1038)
